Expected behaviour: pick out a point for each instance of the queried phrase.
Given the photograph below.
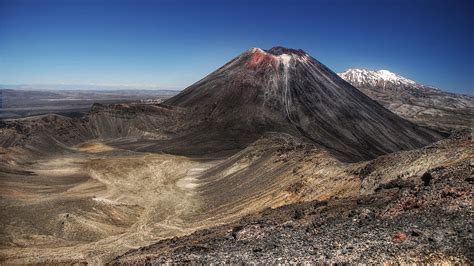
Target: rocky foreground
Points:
(425, 218)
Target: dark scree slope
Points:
(286, 90)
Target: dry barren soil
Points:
(95, 201)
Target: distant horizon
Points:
(64, 86)
(125, 86)
(173, 44)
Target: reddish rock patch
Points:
(399, 237)
(262, 59)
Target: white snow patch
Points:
(285, 59)
(385, 74)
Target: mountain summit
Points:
(287, 90)
(382, 78)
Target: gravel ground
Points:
(426, 219)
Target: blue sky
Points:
(175, 43)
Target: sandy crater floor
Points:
(95, 203)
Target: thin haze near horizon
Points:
(172, 44)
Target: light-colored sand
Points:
(94, 206)
(93, 147)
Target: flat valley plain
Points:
(18, 103)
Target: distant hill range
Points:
(416, 102)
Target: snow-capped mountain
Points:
(419, 103)
(381, 78)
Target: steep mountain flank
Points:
(287, 90)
